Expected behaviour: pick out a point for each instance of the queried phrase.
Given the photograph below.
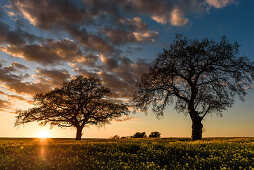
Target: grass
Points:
(170, 153)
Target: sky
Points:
(43, 43)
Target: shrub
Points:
(139, 135)
(154, 134)
(115, 137)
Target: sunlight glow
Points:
(43, 134)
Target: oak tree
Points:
(199, 77)
(78, 102)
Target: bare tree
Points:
(200, 77)
(79, 102)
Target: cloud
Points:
(42, 54)
(134, 24)
(115, 20)
(89, 41)
(12, 80)
(72, 17)
(58, 12)
(118, 74)
(15, 97)
(109, 62)
(27, 87)
(130, 31)
(177, 18)
(55, 74)
(49, 53)
(19, 66)
(7, 74)
(173, 11)
(161, 14)
(145, 36)
(219, 3)
(4, 104)
(112, 81)
(66, 15)
(16, 36)
(54, 77)
(9, 37)
(63, 12)
(89, 60)
(168, 11)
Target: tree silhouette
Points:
(139, 135)
(154, 134)
(79, 102)
(200, 77)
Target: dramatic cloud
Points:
(49, 53)
(66, 38)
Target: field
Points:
(170, 153)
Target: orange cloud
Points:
(177, 18)
(219, 3)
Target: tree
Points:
(139, 135)
(79, 102)
(199, 77)
(154, 134)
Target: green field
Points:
(170, 153)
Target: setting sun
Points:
(43, 134)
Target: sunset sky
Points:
(43, 43)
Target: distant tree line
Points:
(140, 135)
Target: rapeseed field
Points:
(168, 153)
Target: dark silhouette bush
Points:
(139, 135)
(154, 134)
(115, 137)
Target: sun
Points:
(43, 134)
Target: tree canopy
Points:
(199, 77)
(79, 102)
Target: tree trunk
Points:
(197, 127)
(79, 133)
